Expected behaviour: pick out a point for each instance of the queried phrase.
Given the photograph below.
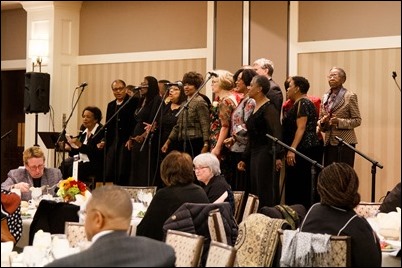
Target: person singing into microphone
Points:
(90, 155)
(192, 128)
(339, 116)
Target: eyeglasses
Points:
(198, 168)
(118, 89)
(333, 75)
(40, 167)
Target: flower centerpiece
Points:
(69, 188)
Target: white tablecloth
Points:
(26, 224)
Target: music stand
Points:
(50, 140)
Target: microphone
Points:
(394, 74)
(64, 123)
(339, 139)
(178, 83)
(84, 84)
(139, 87)
(213, 74)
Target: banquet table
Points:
(29, 213)
(389, 258)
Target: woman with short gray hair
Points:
(208, 172)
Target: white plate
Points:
(388, 249)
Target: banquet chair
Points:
(75, 233)
(216, 227)
(257, 241)
(100, 184)
(238, 200)
(367, 209)
(188, 247)
(220, 255)
(51, 217)
(251, 206)
(134, 190)
(339, 252)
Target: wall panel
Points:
(379, 136)
(100, 77)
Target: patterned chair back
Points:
(238, 200)
(188, 247)
(134, 190)
(220, 255)
(216, 227)
(257, 241)
(367, 209)
(251, 206)
(339, 253)
(75, 233)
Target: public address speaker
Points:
(36, 96)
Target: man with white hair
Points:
(265, 67)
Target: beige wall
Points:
(13, 34)
(136, 26)
(330, 20)
(379, 136)
(109, 28)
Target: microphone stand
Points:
(185, 106)
(394, 76)
(373, 167)
(311, 161)
(104, 127)
(150, 132)
(63, 132)
(6, 134)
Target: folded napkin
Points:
(389, 224)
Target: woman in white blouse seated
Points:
(208, 172)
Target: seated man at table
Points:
(35, 174)
(107, 219)
(338, 187)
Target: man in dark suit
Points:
(107, 219)
(266, 67)
(34, 174)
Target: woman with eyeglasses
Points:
(339, 116)
(35, 174)
(208, 172)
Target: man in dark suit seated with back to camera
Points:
(107, 219)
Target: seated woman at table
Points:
(35, 174)
(208, 172)
(178, 176)
(338, 187)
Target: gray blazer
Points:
(51, 176)
(117, 249)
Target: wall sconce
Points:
(38, 49)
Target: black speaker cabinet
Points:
(36, 97)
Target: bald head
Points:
(109, 208)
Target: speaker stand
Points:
(36, 130)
